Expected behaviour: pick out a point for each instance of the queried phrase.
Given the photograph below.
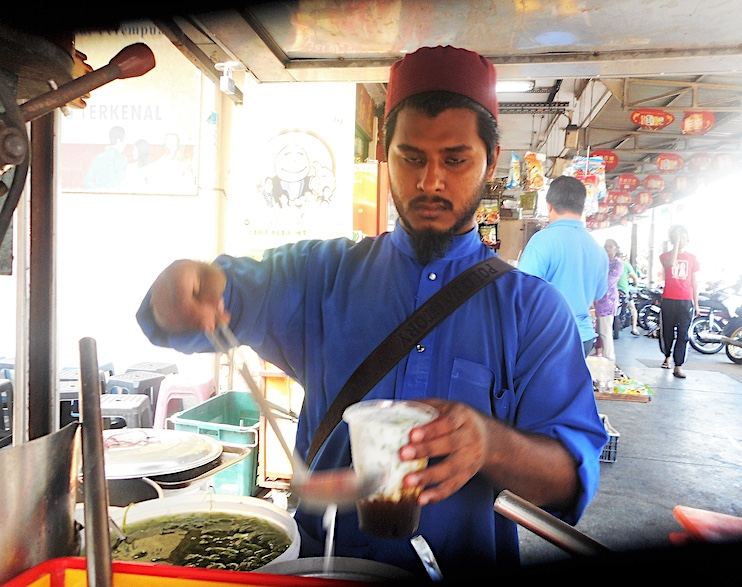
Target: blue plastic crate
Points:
(232, 417)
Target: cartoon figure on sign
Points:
(292, 170)
(302, 173)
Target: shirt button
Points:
(432, 276)
(420, 348)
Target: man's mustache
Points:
(426, 199)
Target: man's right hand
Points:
(187, 297)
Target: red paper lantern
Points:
(669, 162)
(700, 162)
(623, 197)
(643, 198)
(681, 184)
(724, 162)
(696, 123)
(651, 118)
(620, 211)
(610, 159)
(663, 198)
(627, 181)
(637, 209)
(654, 183)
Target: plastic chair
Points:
(179, 392)
(134, 408)
(136, 382)
(155, 367)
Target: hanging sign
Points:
(651, 118)
(620, 211)
(700, 162)
(696, 123)
(669, 162)
(724, 162)
(610, 159)
(681, 184)
(664, 198)
(627, 181)
(654, 183)
(643, 198)
(622, 197)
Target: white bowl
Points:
(212, 502)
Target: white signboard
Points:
(292, 178)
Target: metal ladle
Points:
(317, 490)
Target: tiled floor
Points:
(684, 447)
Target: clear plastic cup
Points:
(378, 429)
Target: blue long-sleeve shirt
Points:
(316, 309)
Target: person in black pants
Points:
(679, 302)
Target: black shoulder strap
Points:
(403, 340)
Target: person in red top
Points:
(679, 299)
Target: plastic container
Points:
(72, 572)
(603, 373)
(231, 417)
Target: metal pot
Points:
(148, 463)
(234, 505)
(37, 485)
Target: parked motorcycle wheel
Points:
(649, 317)
(734, 331)
(700, 327)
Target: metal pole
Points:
(97, 537)
(41, 290)
(547, 526)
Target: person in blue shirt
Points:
(506, 370)
(565, 253)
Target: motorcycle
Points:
(648, 308)
(716, 309)
(732, 338)
(721, 327)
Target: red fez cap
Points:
(442, 68)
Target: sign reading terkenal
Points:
(134, 135)
(122, 112)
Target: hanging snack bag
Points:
(514, 174)
(534, 171)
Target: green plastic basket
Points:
(232, 417)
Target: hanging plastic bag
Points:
(591, 172)
(514, 173)
(534, 171)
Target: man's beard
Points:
(430, 244)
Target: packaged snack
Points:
(534, 171)
(514, 173)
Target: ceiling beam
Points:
(193, 52)
(533, 107)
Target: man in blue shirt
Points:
(565, 254)
(509, 379)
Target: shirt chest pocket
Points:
(474, 384)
